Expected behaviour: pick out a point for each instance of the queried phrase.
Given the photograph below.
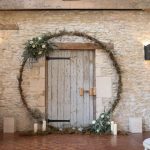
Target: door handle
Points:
(81, 92)
(92, 91)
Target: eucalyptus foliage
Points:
(38, 47)
(102, 124)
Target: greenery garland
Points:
(38, 47)
(102, 125)
(41, 47)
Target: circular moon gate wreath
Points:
(41, 47)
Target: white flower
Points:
(31, 42)
(73, 128)
(33, 46)
(102, 116)
(108, 123)
(39, 38)
(60, 129)
(94, 121)
(80, 129)
(97, 130)
(44, 46)
(108, 117)
(40, 52)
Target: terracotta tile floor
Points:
(72, 142)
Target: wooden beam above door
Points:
(76, 46)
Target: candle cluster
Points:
(113, 128)
(43, 126)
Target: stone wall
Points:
(74, 4)
(126, 30)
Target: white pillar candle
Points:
(35, 127)
(115, 129)
(44, 125)
(112, 127)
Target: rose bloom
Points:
(40, 52)
(31, 42)
(33, 46)
(108, 117)
(39, 38)
(43, 46)
(108, 123)
(93, 122)
(102, 116)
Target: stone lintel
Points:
(9, 27)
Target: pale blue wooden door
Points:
(66, 77)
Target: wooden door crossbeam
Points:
(57, 58)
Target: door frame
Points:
(71, 47)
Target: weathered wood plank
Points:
(86, 78)
(76, 46)
(49, 90)
(80, 106)
(54, 93)
(67, 94)
(60, 88)
(94, 75)
(73, 89)
(91, 82)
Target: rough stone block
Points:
(9, 125)
(104, 87)
(42, 109)
(99, 107)
(41, 101)
(42, 72)
(37, 85)
(135, 124)
(9, 27)
(98, 72)
(99, 60)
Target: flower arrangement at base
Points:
(102, 124)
